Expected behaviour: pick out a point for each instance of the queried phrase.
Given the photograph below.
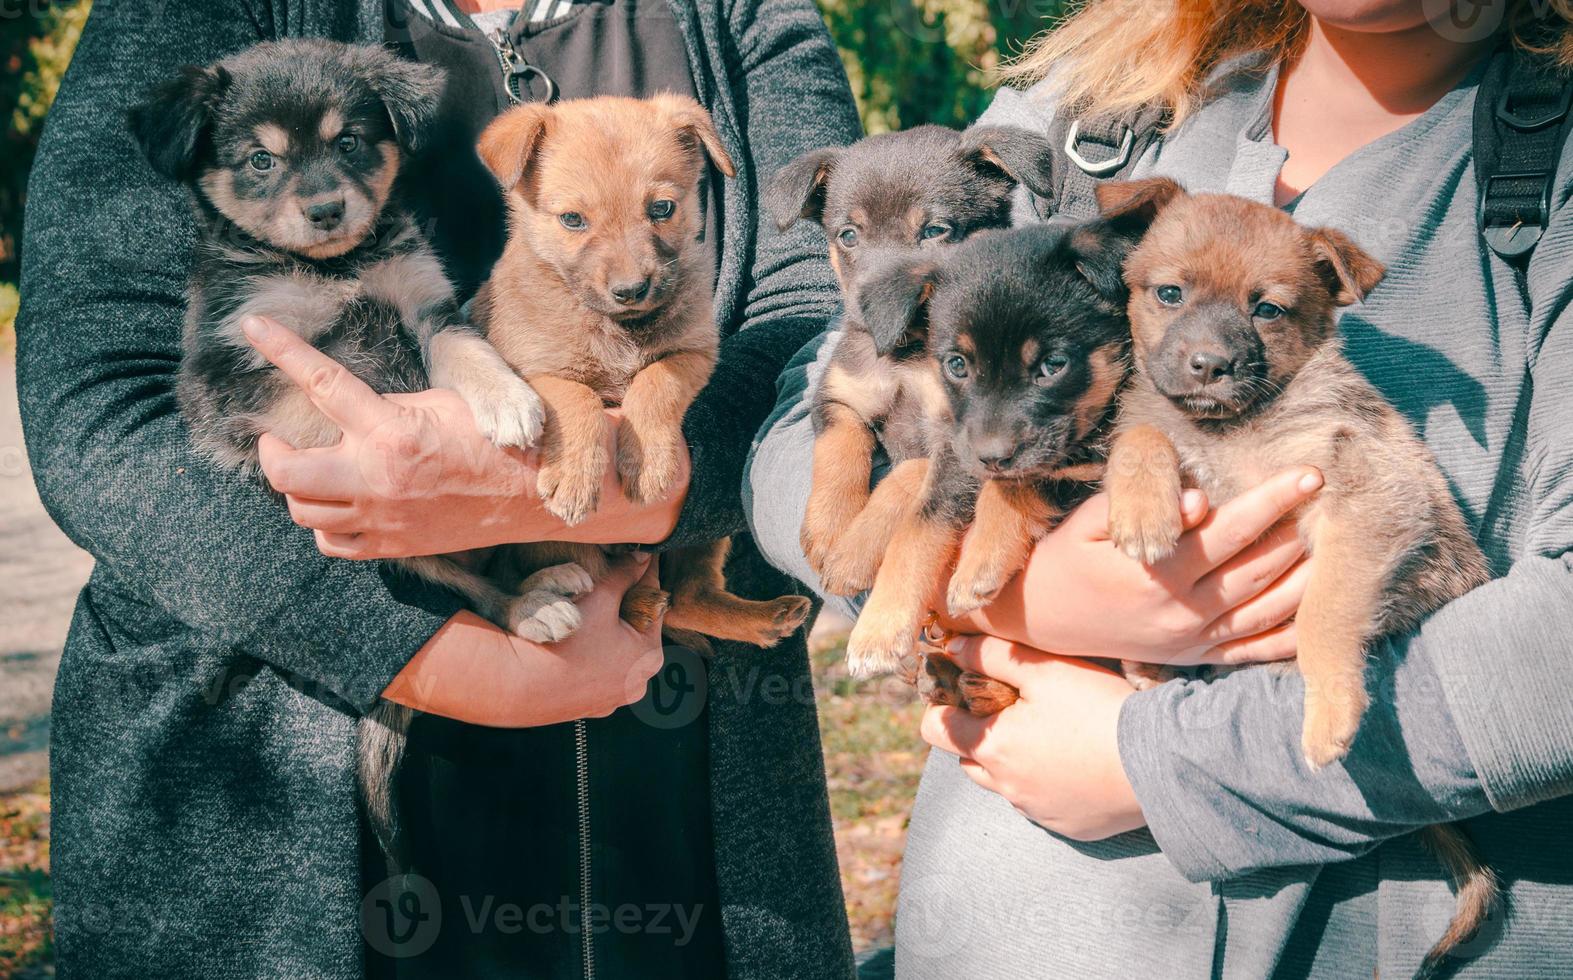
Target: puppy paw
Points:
(983, 696)
(880, 644)
(1332, 719)
(972, 587)
(568, 579)
(571, 489)
(543, 617)
(782, 618)
(848, 569)
(1146, 530)
(507, 410)
(1144, 676)
(825, 522)
(643, 607)
(648, 467)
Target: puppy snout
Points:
(1208, 367)
(631, 291)
(325, 215)
(996, 454)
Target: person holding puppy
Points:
(203, 756)
(1092, 831)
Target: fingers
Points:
(627, 571)
(355, 547)
(339, 395)
(1250, 572)
(317, 474)
(954, 730)
(333, 516)
(1278, 643)
(1272, 606)
(1236, 525)
(996, 658)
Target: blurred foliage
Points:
(929, 61)
(36, 42)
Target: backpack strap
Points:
(1521, 124)
(1089, 150)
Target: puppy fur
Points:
(291, 151)
(603, 298)
(886, 197)
(1240, 373)
(1027, 328)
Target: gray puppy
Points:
(292, 151)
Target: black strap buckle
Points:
(1513, 240)
(1529, 124)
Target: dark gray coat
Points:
(205, 817)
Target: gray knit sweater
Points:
(205, 816)
(1251, 865)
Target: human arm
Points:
(108, 250)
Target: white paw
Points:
(543, 617)
(507, 411)
(569, 579)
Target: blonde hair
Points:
(1133, 53)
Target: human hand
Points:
(476, 673)
(1053, 754)
(1226, 596)
(412, 474)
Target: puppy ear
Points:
(169, 126)
(1349, 271)
(798, 189)
(1135, 203)
(892, 301)
(412, 94)
(693, 123)
(1022, 155)
(511, 141)
(1100, 249)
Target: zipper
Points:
(516, 72)
(581, 754)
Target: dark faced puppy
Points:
(1028, 330)
(291, 152)
(887, 197)
(1240, 374)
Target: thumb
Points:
(629, 570)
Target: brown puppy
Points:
(1239, 373)
(603, 298)
(887, 196)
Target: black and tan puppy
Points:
(885, 197)
(1028, 330)
(603, 298)
(1239, 373)
(292, 151)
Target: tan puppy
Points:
(1239, 373)
(603, 298)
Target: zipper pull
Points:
(516, 72)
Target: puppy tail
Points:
(1474, 882)
(380, 749)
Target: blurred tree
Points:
(36, 42)
(929, 61)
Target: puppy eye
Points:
(349, 143)
(1268, 311)
(935, 231)
(573, 221)
(956, 367)
(1051, 367)
(662, 209)
(1170, 295)
(262, 161)
(848, 237)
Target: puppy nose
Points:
(1208, 367)
(995, 455)
(326, 216)
(632, 291)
